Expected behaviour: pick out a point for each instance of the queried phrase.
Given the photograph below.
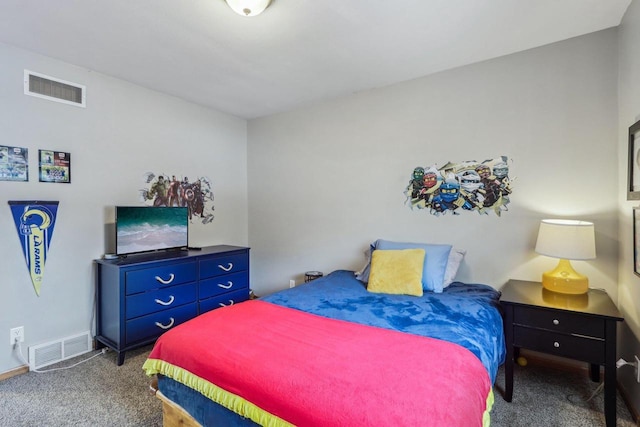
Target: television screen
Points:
(145, 229)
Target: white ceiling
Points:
(298, 51)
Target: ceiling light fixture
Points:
(248, 7)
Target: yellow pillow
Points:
(397, 271)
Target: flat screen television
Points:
(145, 229)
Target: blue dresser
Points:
(141, 296)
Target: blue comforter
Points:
(465, 314)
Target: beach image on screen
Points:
(143, 229)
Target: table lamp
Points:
(567, 240)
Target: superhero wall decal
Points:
(196, 195)
(471, 186)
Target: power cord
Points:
(17, 345)
(596, 391)
(619, 364)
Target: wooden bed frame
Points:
(173, 415)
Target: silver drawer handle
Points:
(160, 325)
(171, 299)
(226, 305)
(227, 286)
(229, 268)
(166, 282)
(556, 322)
(556, 344)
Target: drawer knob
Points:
(229, 267)
(556, 322)
(171, 299)
(229, 285)
(226, 305)
(161, 326)
(556, 344)
(166, 282)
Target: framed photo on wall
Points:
(636, 240)
(14, 163)
(633, 182)
(55, 166)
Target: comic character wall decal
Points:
(469, 186)
(196, 195)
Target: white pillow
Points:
(367, 257)
(453, 264)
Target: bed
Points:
(334, 352)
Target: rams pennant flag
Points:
(34, 222)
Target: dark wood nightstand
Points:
(580, 327)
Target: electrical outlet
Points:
(16, 335)
(292, 283)
(637, 367)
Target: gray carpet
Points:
(95, 393)
(99, 393)
(547, 396)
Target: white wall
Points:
(326, 180)
(124, 131)
(629, 113)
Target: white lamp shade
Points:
(248, 7)
(566, 239)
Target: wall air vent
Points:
(46, 87)
(59, 350)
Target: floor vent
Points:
(57, 351)
(46, 87)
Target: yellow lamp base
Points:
(556, 299)
(565, 280)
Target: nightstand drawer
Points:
(559, 321)
(575, 347)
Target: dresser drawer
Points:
(154, 325)
(162, 299)
(559, 321)
(575, 347)
(161, 276)
(224, 300)
(223, 284)
(225, 264)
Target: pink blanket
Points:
(315, 371)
